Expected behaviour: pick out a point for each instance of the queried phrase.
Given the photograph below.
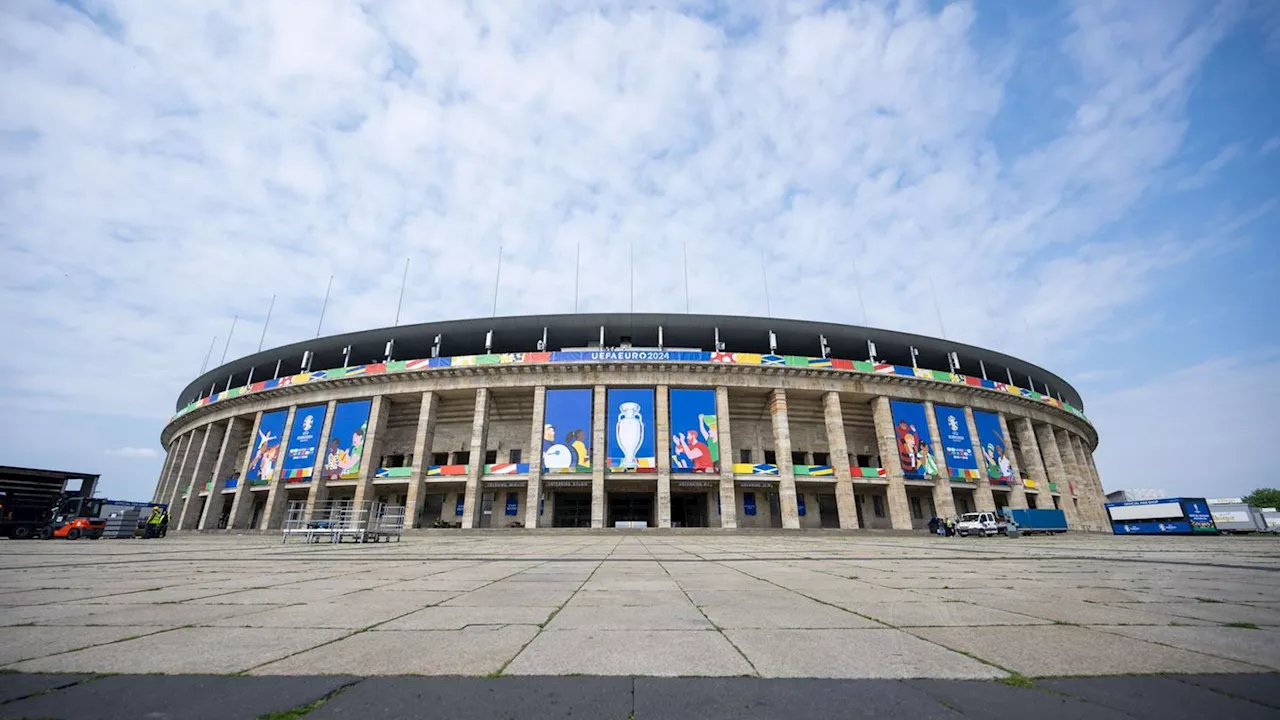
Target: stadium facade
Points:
(629, 420)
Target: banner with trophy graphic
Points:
(629, 428)
(695, 440)
(566, 431)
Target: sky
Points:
(1091, 185)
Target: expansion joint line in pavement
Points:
(542, 626)
(696, 606)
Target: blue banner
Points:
(300, 456)
(800, 504)
(915, 445)
(748, 503)
(957, 446)
(462, 505)
(345, 452)
(995, 447)
(631, 356)
(265, 461)
(566, 431)
(1197, 511)
(513, 502)
(695, 439)
(629, 430)
(1167, 527)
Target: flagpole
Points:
(403, 280)
(857, 275)
(228, 343)
(685, 248)
(937, 308)
(270, 307)
(577, 270)
(632, 249)
(208, 354)
(497, 278)
(768, 307)
(325, 306)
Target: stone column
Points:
(1097, 482)
(421, 449)
(170, 477)
(318, 493)
(662, 421)
(982, 495)
(533, 492)
(838, 448)
(222, 467)
(599, 455)
(184, 470)
(1035, 467)
(205, 463)
(944, 500)
(728, 492)
(170, 457)
(379, 411)
(1017, 493)
(1053, 465)
(180, 496)
(899, 511)
(474, 498)
(782, 449)
(243, 500)
(1089, 502)
(278, 491)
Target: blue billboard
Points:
(300, 453)
(915, 445)
(695, 440)
(995, 447)
(343, 456)
(265, 461)
(629, 430)
(566, 431)
(957, 446)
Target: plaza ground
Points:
(813, 605)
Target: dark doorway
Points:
(689, 510)
(224, 517)
(630, 507)
(775, 511)
(432, 507)
(571, 510)
(828, 512)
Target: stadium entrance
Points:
(571, 509)
(630, 509)
(689, 510)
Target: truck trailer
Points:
(30, 497)
(1231, 518)
(1031, 520)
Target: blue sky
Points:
(1090, 185)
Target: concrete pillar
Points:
(1017, 492)
(838, 448)
(1051, 455)
(422, 437)
(782, 449)
(379, 411)
(222, 468)
(1074, 489)
(886, 441)
(170, 457)
(1097, 500)
(472, 501)
(171, 477)
(278, 491)
(1097, 482)
(180, 495)
(728, 492)
(533, 496)
(599, 459)
(944, 500)
(1035, 467)
(183, 471)
(192, 508)
(1089, 503)
(982, 495)
(662, 422)
(243, 501)
(318, 492)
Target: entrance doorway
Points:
(224, 516)
(775, 511)
(689, 510)
(571, 510)
(828, 512)
(630, 508)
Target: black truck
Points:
(29, 497)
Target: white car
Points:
(978, 523)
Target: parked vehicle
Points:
(1235, 518)
(1162, 516)
(80, 517)
(1030, 521)
(978, 523)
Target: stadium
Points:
(628, 421)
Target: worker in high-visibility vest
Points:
(153, 523)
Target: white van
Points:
(978, 523)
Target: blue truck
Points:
(1032, 521)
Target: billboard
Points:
(957, 446)
(342, 458)
(300, 453)
(995, 447)
(695, 441)
(566, 431)
(915, 445)
(265, 461)
(629, 429)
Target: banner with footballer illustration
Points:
(995, 447)
(265, 461)
(915, 445)
(695, 441)
(345, 453)
(566, 431)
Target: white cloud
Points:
(1206, 172)
(1270, 145)
(133, 453)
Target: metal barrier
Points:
(337, 521)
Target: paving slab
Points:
(760, 699)
(1159, 698)
(1218, 612)
(20, 685)
(456, 618)
(938, 613)
(629, 617)
(1057, 650)
(800, 613)
(338, 613)
(518, 595)
(460, 698)
(668, 653)
(191, 697)
(618, 598)
(27, 642)
(164, 615)
(27, 614)
(1258, 647)
(852, 653)
(185, 650)
(1262, 689)
(995, 700)
(472, 651)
